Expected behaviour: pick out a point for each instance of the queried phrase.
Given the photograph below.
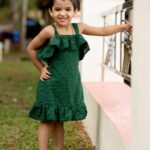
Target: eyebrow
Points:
(60, 7)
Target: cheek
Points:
(55, 14)
(71, 14)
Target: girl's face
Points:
(62, 12)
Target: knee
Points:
(49, 123)
(52, 123)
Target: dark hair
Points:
(75, 3)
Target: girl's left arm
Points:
(104, 31)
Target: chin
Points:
(63, 23)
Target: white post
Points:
(6, 46)
(141, 77)
(23, 24)
(1, 51)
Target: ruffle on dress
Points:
(61, 43)
(45, 112)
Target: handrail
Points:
(125, 6)
(111, 52)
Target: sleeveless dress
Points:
(60, 98)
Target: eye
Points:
(68, 9)
(57, 9)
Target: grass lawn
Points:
(18, 80)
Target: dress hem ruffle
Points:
(47, 112)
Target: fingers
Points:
(129, 27)
(45, 74)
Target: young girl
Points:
(59, 94)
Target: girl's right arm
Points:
(44, 35)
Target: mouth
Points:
(62, 19)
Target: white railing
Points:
(117, 48)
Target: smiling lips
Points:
(62, 19)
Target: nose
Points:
(62, 12)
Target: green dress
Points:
(60, 98)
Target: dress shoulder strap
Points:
(76, 29)
(56, 32)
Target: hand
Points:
(45, 74)
(127, 27)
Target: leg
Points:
(58, 135)
(44, 134)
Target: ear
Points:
(50, 12)
(75, 13)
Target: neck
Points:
(63, 27)
(68, 29)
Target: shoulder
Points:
(47, 32)
(81, 27)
